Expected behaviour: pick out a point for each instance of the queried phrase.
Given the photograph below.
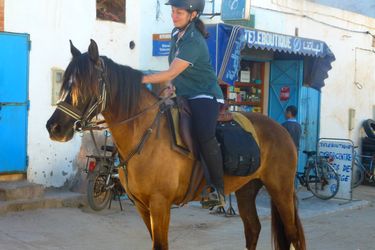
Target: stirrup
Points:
(212, 199)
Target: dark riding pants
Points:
(204, 119)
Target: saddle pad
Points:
(246, 124)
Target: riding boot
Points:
(213, 161)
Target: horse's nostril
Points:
(55, 128)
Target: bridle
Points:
(97, 103)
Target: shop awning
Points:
(226, 43)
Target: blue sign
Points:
(231, 62)
(161, 44)
(235, 10)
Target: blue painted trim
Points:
(20, 99)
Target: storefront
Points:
(265, 72)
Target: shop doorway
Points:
(286, 89)
(309, 114)
(14, 70)
(285, 81)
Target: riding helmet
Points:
(189, 5)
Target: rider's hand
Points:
(169, 89)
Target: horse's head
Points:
(82, 95)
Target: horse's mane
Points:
(123, 84)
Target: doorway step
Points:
(22, 195)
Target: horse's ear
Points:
(93, 51)
(75, 52)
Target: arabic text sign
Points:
(262, 39)
(342, 153)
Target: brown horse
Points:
(157, 177)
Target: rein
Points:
(90, 125)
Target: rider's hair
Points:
(201, 27)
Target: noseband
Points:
(97, 103)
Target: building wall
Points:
(1, 15)
(365, 7)
(51, 24)
(352, 49)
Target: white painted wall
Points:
(365, 7)
(51, 23)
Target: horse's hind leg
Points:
(286, 225)
(246, 205)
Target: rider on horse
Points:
(192, 74)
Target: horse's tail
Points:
(280, 239)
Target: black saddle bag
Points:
(241, 154)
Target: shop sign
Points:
(284, 43)
(161, 44)
(341, 151)
(235, 10)
(284, 94)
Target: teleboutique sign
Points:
(262, 39)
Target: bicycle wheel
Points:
(322, 180)
(357, 175)
(98, 195)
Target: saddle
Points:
(179, 121)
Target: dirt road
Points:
(191, 228)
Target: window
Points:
(111, 10)
(57, 80)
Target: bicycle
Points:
(319, 177)
(362, 171)
(103, 181)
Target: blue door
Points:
(309, 113)
(285, 87)
(285, 82)
(14, 69)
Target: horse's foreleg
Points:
(160, 217)
(145, 214)
(246, 205)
